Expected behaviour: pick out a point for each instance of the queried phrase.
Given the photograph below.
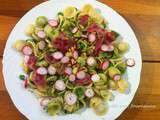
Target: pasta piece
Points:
(53, 107)
(19, 44)
(122, 86)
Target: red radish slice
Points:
(70, 98)
(68, 70)
(53, 23)
(41, 34)
(130, 62)
(60, 85)
(95, 77)
(89, 93)
(72, 78)
(25, 83)
(81, 75)
(107, 48)
(74, 30)
(41, 71)
(104, 48)
(27, 50)
(65, 59)
(41, 45)
(91, 61)
(105, 65)
(86, 81)
(57, 55)
(51, 70)
(45, 101)
(75, 54)
(92, 37)
(111, 48)
(26, 59)
(116, 77)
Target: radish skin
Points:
(27, 50)
(95, 77)
(92, 37)
(105, 65)
(53, 23)
(57, 55)
(130, 62)
(41, 71)
(81, 75)
(60, 85)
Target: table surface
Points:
(144, 18)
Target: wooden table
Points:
(142, 15)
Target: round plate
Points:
(27, 103)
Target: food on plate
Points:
(73, 60)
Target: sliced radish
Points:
(105, 65)
(25, 83)
(65, 59)
(57, 55)
(70, 98)
(81, 75)
(73, 61)
(44, 101)
(27, 50)
(130, 62)
(89, 93)
(26, 59)
(92, 37)
(72, 78)
(84, 36)
(41, 34)
(111, 48)
(86, 81)
(41, 45)
(41, 71)
(91, 61)
(53, 23)
(116, 77)
(68, 70)
(75, 54)
(51, 70)
(95, 77)
(60, 85)
(107, 48)
(74, 30)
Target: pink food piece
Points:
(65, 59)
(92, 37)
(27, 50)
(41, 34)
(72, 78)
(53, 23)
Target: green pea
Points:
(21, 77)
(41, 21)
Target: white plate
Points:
(27, 103)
